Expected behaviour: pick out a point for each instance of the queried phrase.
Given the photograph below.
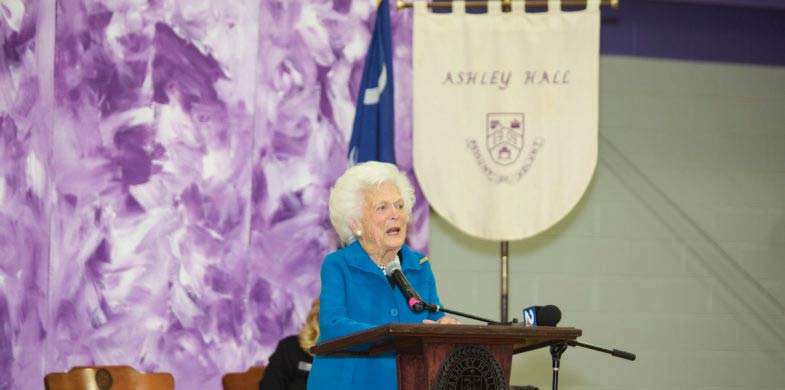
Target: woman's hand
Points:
(443, 320)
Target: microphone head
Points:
(548, 315)
(392, 266)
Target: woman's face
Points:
(383, 220)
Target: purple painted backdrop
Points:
(163, 200)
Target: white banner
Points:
(505, 115)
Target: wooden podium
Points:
(431, 356)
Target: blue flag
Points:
(373, 134)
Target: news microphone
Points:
(393, 270)
(548, 315)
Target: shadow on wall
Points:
(746, 294)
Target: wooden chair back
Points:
(108, 378)
(248, 380)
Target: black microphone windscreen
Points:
(548, 315)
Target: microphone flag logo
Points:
(529, 316)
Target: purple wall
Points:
(163, 200)
(743, 31)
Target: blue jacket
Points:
(357, 296)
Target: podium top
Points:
(400, 336)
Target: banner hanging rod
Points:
(506, 3)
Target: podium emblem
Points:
(470, 368)
(103, 379)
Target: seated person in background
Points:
(290, 363)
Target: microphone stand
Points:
(436, 308)
(558, 349)
(613, 352)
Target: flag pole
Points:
(505, 282)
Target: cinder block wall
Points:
(677, 250)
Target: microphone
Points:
(548, 315)
(393, 269)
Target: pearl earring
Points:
(358, 233)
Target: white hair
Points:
(347, 197)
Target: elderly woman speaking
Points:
(370, 206)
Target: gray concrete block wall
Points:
(677, 250)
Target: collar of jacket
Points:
(359, 259)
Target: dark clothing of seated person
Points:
(290, 363)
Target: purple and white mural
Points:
(165, 171)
